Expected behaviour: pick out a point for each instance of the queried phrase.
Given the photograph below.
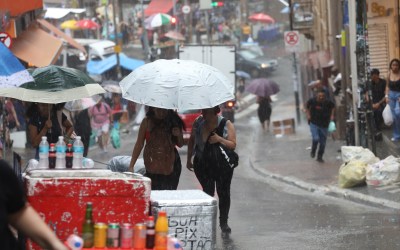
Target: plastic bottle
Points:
(174, 244)
(150, 232)
(68, 156)
(60, 152)
(44, 153)
(52, 155)
(88, 227)
(78, 153)
(87, 163)
(161, 239)
(74, 242)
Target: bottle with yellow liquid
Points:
(161, 239)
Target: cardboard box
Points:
(284, 127)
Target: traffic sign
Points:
(186, 9)
(6, 39)
(292, 41)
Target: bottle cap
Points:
(162, 213)
(61, 137)
(77, 137)
(69, 145)
(44, 138)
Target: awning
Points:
(99, 67)
(37, 47)
(61, 34)
(158, 6)
(57, 13)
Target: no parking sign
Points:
(292, 41)
(5, 39)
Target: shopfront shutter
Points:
(378, 39)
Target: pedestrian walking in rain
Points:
(264, 111)
(211, 174)
(100, 117)
(159, 133)
(392, 95)
(320, 111)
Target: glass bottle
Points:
(88, 227)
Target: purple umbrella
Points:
(262, 87)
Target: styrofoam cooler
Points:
(60, 197)
(191, 216)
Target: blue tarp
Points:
(99, 67)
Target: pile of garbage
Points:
(360, 166)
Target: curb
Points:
(329, 190)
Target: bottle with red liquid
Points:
(52, 156)
(68, 156)
(150, 232)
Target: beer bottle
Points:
(88, 227)
(150, 233)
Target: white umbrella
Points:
(83, 103)
(177, 84)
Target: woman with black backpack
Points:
(212, 132)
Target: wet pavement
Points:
(299, 169)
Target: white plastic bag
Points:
(387, 115)
(352, 173)
(358, 153)
(383, 172)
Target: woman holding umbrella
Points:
(264, 111)
(43, 122)
(159, 133)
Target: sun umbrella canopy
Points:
(87, 24)
(261, 17)
(83, 103)
(263, 87)
(174, 35)
(69, 24)
(12, 73)
(177, 84)
(157, 20)
(55, 84)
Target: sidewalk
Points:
(288, 159)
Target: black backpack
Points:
(219, 155)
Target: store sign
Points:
(5, 39)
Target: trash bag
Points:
(358, 153)
(383, 172)
(92, 138)
(121, 164)
(352, 173)
(115, 139)
(331, 127)
(387, 115)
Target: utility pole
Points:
(295, 79)
(144, 31)
(118, 46)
